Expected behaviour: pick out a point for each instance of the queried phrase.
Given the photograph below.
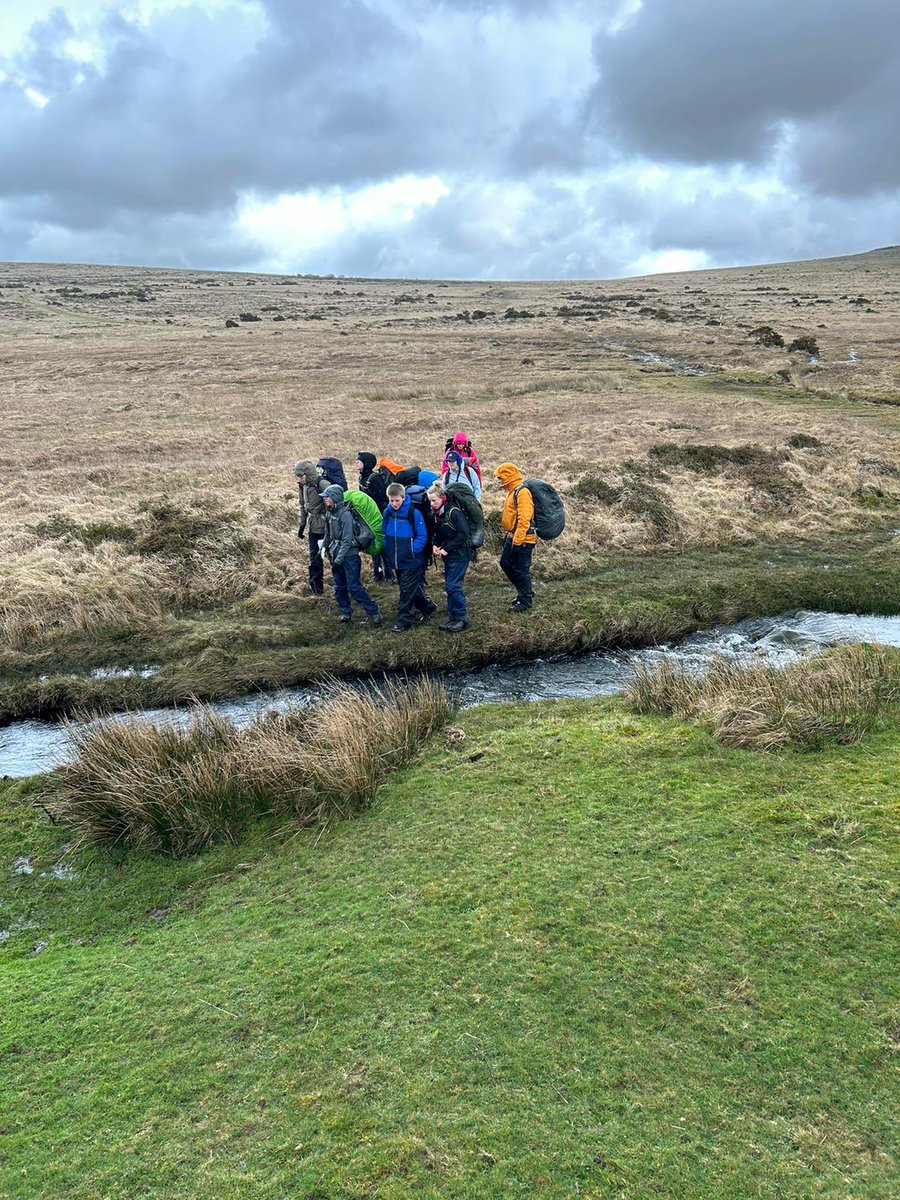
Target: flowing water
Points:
(31, 747)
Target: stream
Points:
(33, 747)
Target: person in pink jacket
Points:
(463, 447)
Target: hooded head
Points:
(460, 439)
(335, 494)
(510, 476)
(304, 467)
(367, 460)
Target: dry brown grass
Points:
(160, 788)
(833, 697)
(108, 405)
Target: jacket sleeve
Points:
(524, 516)
(475, 482)
(460, 538)
(301, 508)
(420, 538)
(343, 542)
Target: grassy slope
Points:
(651, 967)
(627, 601)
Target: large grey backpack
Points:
(549, 514)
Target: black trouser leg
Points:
(316, 566)
(412, 594)
(516, 564)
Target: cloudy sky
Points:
(448, 138)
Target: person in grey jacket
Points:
(343, 554)
(312, 521)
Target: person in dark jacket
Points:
(374, 484)
(312, 521)
(332, 471)
(451, 547)
(405, 544)
(343, 554)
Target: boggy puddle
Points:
(34, 747)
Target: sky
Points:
(468, 139)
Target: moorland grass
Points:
(837, 696)
(625, 602)
(576, 952)
(148, 787)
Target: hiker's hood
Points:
(461, 438)
(394, 467)
(510, 476)
(368, 462)
(401, 511)
(305, 467)
(337, 495)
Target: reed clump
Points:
(175, 790)
(833, 697)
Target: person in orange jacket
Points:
(517, 522)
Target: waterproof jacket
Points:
(451, 531)
(405, 536)
(467, 476)
(338, 528)
(333, 471)
(311, 504)
(426, 478)
(517, 518)
(463, 447)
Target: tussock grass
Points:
(159, 788)
(833, 697)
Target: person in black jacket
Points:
(374, 484)
(451, 546)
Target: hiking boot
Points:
(426, 616)
(376, 620)
(520, 608)
(399, 629)
(344, 618)
(455, 626)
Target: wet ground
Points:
(32, 747)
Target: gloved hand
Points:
(300, 533)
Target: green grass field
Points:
(578, 953)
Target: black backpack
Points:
(409, 476)
(549, 514)
(418, 499)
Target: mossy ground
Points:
(627, 600)
(579, 952)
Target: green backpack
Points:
(365, 510)
(465, 498)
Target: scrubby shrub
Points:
(804, 441)
(761, 469)
(833, 697)
(594, 487)
(765, 335)
(91, 535)
(160, 788)
(805, 345)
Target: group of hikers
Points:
(404, 517)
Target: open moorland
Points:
(150, 419)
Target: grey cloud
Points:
(703, 81)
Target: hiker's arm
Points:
(420, 539)
(345, 538)
(524, 516)
(460, 537)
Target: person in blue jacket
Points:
(405, 549)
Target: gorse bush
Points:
(833, 697)
(161, 788)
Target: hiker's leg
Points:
(454, 574)
(508, 563)
(408, 579)
(316, 567)
(423, 601)
(354, 585)
(525, 594)
(341, 593)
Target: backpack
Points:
(368, 534)
(549, 514)
(409, 476)
(418, 499)
(463, 497)
(333, 470)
